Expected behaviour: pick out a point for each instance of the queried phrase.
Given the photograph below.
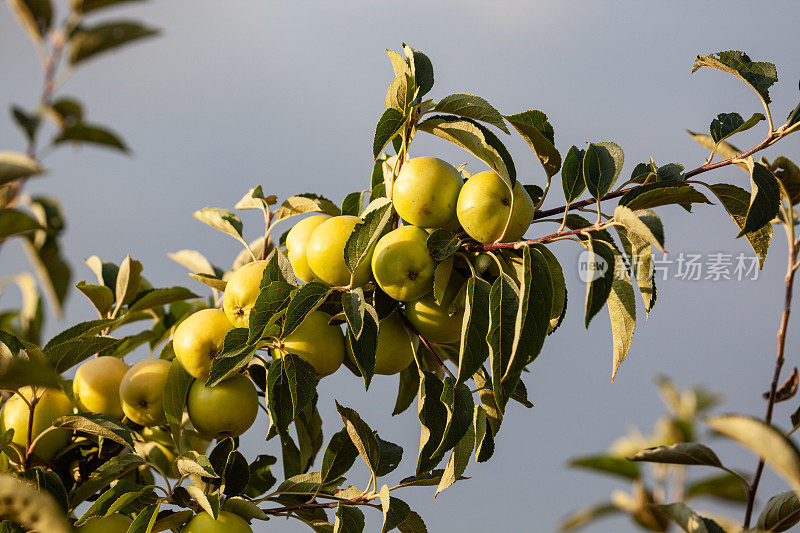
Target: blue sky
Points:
(287, 94)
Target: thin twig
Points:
(539, 240)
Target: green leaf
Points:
(476, 139)
(110, 471)
(585, 515)
(602, 163)
(191, 463)
(291, 384)
(600, 276)
(97, 424)
(64, 356)
(788, 175)
(758, 75)
(471, 106)
(365, 346)
(763, 440)
(389, 456)
(689, 521)
(349, 519)
(400, 93)
(89, 41)
(644, 223)
(29, 123)
(15, 222)
(459, 458)
(16, 165)
(261, 478)
(608, 464)
(473, 349)
(407, 389)
(123, 493)
(639, 253)
(236, 474)
(423, 72)
(362, 437)
(484, 437)
(354, 307)
(622, 312)
(35, 16)
(726, 487)
(534, 127)
(339, 456)
(727, 124)
(48, 481)
(278, 269)
(683, 453)
(442, 244)
(304, 300)
(365, 234)
(433, 419)
(457, 400)
(736, 201)
(389, 126)
(209, 502)
(236, 353)
(781, 513)
(160, 297)
(221, 220)
(210, 280)
(16, 372)
(86, 6)
(129, 277)
(572, 174)
(662, 193)
(353, 203)
(441, 278)
(305, 203)
(395, 510)
(146, 519)
(765, 199)
(92, 134)
(51, 268)
(558, 309)
(100, 296)
(269, 306)
(176, 387)
(412, 524)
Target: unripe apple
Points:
(317, 342)
(325, 253)
(96, 386)
(227, 409)
(51, 404)
(395, 349)
(296, 242)
(141, 392)
(402, 265)
(484, 204)
(437, 323)
(241, 292)
(113, 523)
(226, 522)
(198, 339)
(426, 191)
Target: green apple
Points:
(325, 253)
(426, 191)
(484, 206)
(113, 523)
(241, 292)
(51, 404)
(198, 339)
(226, 410)
(437, 323)
(141, 392)
(226, 522)
(395, 349)
(401, 264)
(96, 386)
(296, 242)
(317, 342)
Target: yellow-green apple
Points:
(227, 409)
(395, 349)
(198, 339)
(96, 386)
(438, 323)
(296, 242)
(325, 253)
(484, 207)
(141, 392)
(402, 265)
(51, 404)
(426, 191)
(317, 342)
(226, 522)
(113, 523)
(241, 292)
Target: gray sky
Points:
(287, 94)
